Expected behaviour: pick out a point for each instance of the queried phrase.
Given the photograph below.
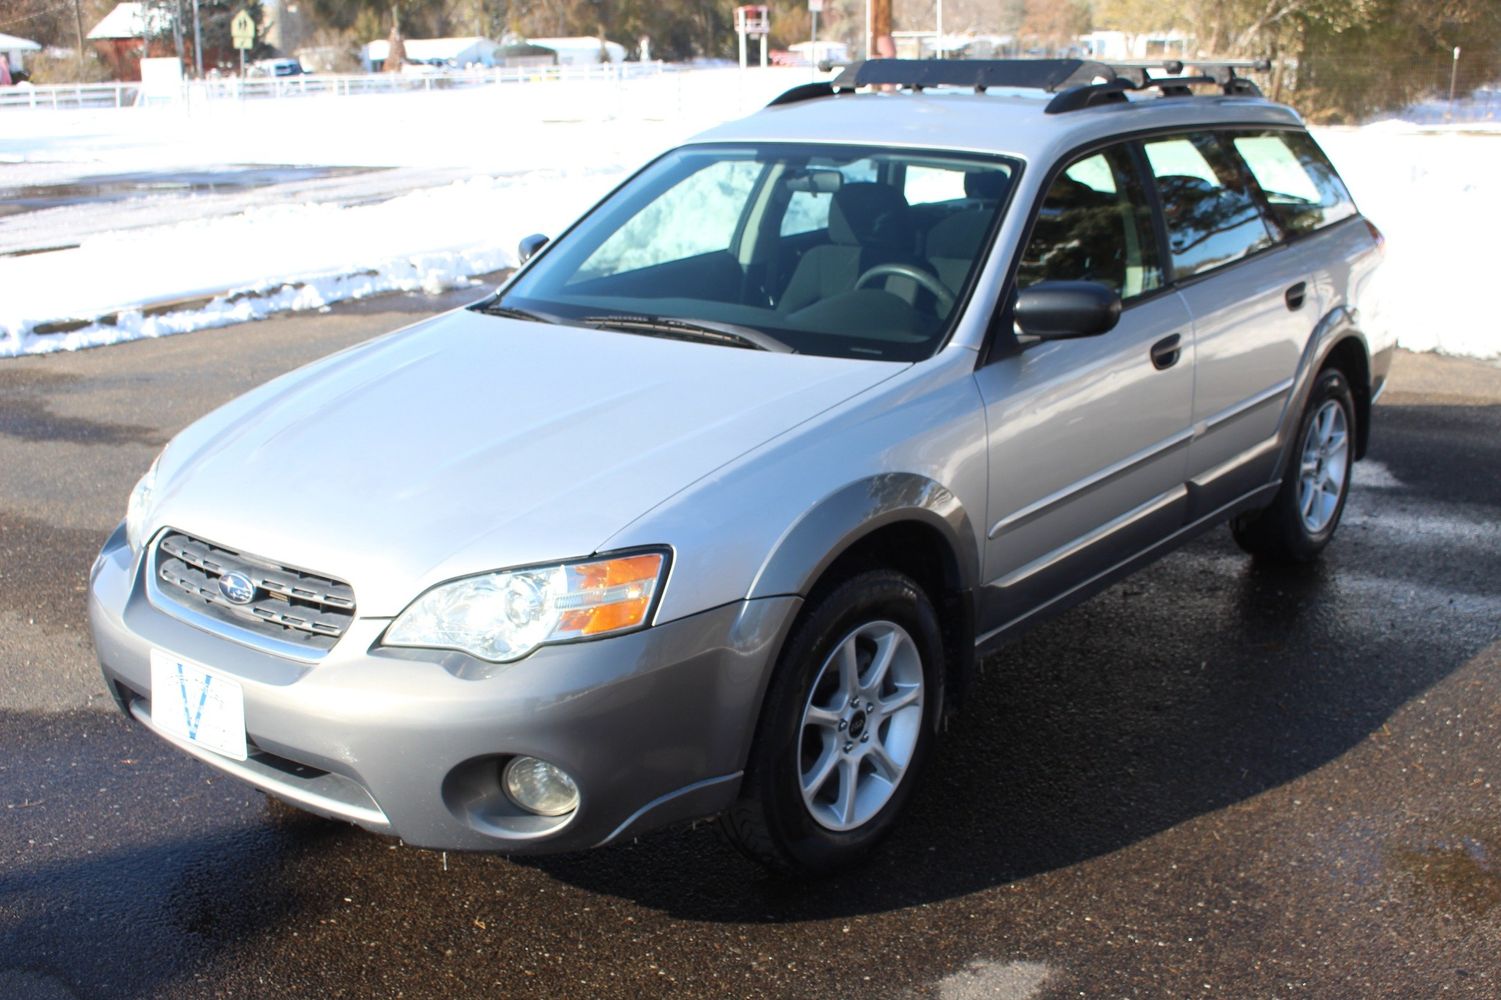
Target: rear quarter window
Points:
(1301, 187)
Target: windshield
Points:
(840, 251)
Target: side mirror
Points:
(528, 247)
(1063, 310)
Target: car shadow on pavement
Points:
(1201, 682)
(1465, 468)
(131, 920)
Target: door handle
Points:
(1166, 352)
(1295, 296)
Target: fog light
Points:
(539, 787)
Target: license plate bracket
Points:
(198, 705)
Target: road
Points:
(1215, 779)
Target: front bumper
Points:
(653, 726)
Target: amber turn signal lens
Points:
(610, 595)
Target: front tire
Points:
(1302, 518)
(848, 722)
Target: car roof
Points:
(1015, 124)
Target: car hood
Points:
(470, 443)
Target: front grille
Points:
(292, 605)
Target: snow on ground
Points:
(285, 257)
(1436, 196)
(537, 156)
(1483, 105)
(529, 158)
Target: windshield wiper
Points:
(510, 312)
(702, 331)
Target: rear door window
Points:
(1212, 217)
(1300, 184)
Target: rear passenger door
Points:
(1254, 303)
(1087, 437)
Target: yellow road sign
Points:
(242, 30)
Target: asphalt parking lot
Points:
(1215, 779)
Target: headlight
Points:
(139, 507)
(504, 616)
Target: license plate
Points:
(196, 704)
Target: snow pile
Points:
(1436, 196)
(282, 258)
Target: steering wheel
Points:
(942, 295)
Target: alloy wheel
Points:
(860, 725)
(1325, 462)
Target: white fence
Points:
(124, 95)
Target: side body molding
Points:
(1264, 459)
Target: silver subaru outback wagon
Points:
(710, 510)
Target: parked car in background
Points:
(713, 507)
(276, 68)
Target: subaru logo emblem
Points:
(237, 588)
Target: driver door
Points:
(1088, 438)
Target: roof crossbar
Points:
(980, 74)
(1079, 83)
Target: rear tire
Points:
(1302, 518)
(848, 722)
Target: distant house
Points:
(1109, 45)
(525, 54)
(16, 49)
(323, 59)
(441, 53)
(582, 50)
(127, 33)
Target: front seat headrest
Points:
(870, 215)
(991, 185)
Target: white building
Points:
(450, 53)
(16, 49)
(1108, 45)
(582, 50)
(928, 45)
(813, 53)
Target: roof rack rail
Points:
(1079, 83)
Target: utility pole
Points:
(197, 42)
(938, 47)
(1453, 77)
(78, 29)
(880, 24)
(814, 6)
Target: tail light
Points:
(1376, 235)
